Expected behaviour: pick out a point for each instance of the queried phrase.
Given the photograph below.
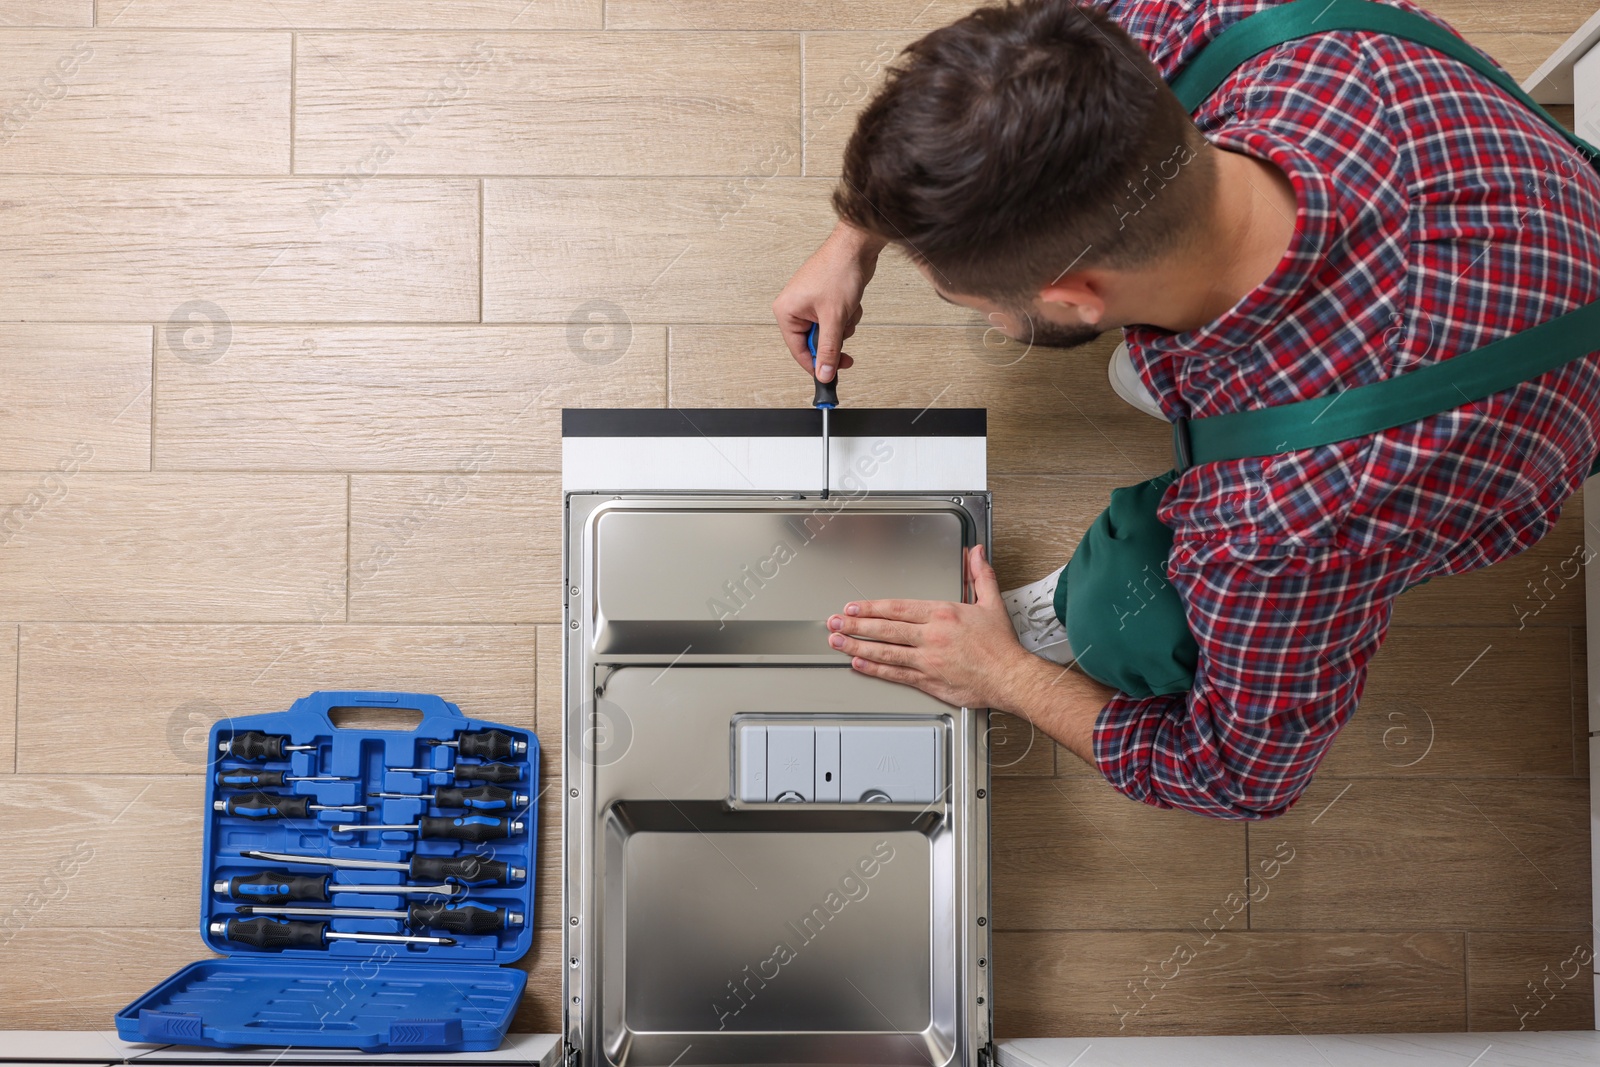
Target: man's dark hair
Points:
(1021, 140)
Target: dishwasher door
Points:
(770, 859)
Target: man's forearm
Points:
(1062, 701)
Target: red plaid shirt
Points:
(1436, 214)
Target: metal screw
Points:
(982, 793)
(958, 500)
(574, 590)
(572, 921)
(980, 1000)
(981, 921)
(573, 625)
(982, 962)
(572, 793)
(573, 962)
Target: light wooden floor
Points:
(293, 291)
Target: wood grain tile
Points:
(121, 962)
(550, 714)
(1417, 719)
(548, 857)
(549, 104)
(196, 254)
(358, 14)
(46, 12)
(922, 15)
(1127, 984)
(75, 395)
(1541, 587)
(1578, 641)
(1520, 53)
(455, 548)
(670, 250)
(398, 398)
(1018, 749)
(1070, 854)
(139, 103)
(1530, 981)
(843, 70)
(8, 699)
(1473, 20)
(70, 840)
(144, 696)
(540, 1009)
(1387, 855)
(1048, 410)
(152, 547)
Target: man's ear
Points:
(1076, 295)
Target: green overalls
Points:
(1152, 652)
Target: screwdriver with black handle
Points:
(276, 936)
(469, 772)
(255, 745)
(485, 744)
(479, 798)
(241, 778)
(459, 827)
(259, 805)
(282, 887)
(464, 919)
(468, 870)
(825, 399)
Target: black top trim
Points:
(773, 422)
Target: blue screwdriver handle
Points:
(827, 394)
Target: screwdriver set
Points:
(364, 888)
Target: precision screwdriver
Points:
(458, 920)
(825, 399)
(241, 778)
(485, 744)
(481, 798)
(469, 772)
(253, 745)
(260, 805)
(470, 870)
(282, 887)
(276, 936)
(461, 827)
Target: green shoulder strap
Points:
(1418, 394)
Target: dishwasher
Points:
(768, 857)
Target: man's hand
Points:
(963, 654)
(827, 290)
(969, 656)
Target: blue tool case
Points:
(456, 883)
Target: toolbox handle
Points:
(171, 1026)
(432, 706)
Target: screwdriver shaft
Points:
(470, 869)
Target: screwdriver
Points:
(240, 778)
(460, 920)
(260, 805)
(471, 870)
(470, 772)
(253, 744)
(826, 398)
(461, 828)
(485, 744)
(275, 936)
(281, 887)
(481, 798)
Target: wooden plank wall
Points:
(293, 292)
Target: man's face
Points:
(1047, 325)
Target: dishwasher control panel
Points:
(794, 759)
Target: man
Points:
(1346, 208)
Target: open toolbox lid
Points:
(377, 995)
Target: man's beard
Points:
(1050, 335)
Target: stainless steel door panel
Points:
(739, 581)
(706, 929)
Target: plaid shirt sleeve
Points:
(1285, 643)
